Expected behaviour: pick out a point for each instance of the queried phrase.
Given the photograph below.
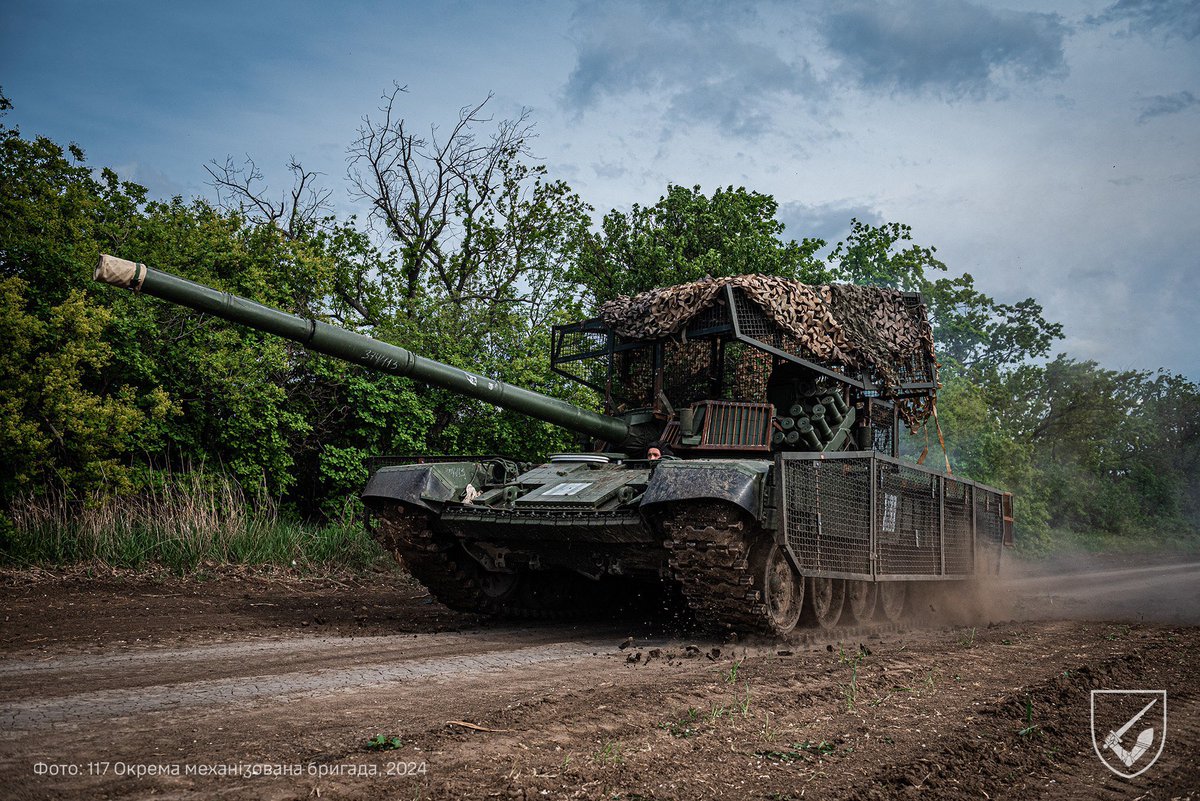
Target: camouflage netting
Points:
(861, 328)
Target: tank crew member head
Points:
(657, 450)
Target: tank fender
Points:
(735, 481)
(425, 485)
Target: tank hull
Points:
(719, 532)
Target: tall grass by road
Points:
(190, 519)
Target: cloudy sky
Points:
(1048, 148)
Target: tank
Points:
(747, 460)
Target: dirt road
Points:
(273, 687)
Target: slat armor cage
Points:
(725, 352)
(864, 515)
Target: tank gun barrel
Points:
(357, 348)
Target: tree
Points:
(298, 212)
(66, 418)
(973, 331)
(686, 236)
(472, 243)
(1118, 448)
(475, 223)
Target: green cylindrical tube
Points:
(787, 423)
(805, 430)
(831, 411)
(777, 437)
(792, 437)
(357, 348)
(818, 421)
(839, 402)
(797, 410)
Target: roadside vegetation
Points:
(186, 521)
(108, 401)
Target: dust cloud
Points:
(1078, 587)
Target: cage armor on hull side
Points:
(775, 408)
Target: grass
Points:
(744, 703)
(1120, 633)
(768, 732)
(850, 691)
(609, 754)
(1062, 542)
(384, 742)
(191, 519)
(798, 751)
(685, 726)
(1030, 726)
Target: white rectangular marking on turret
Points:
(571, 488)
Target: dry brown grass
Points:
(189, 518)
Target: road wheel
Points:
(825, 600)
(860, 600)
(781, 587)
(892, 598)
(498, 588)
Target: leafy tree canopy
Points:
(471, 250)
(973, 330)
(686, 236)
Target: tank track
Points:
(431, 560)
(451, 576)
(709, 548)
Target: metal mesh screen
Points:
(704, 368)
(883, 427)
(712, 318)
(745, 371)
(906, 518)
(924, 524)
(915, 370)
(582, 355)
(752, 320)
(827, 508)
(633, 377)
(989, 530)
(959, 498)
(754, 323)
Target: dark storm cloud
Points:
(1167, 17)
(949, 47)
(1161, 105)
(732, 66)
(696, 55)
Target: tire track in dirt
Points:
(37, 713)
(63, 675)
(568, 715)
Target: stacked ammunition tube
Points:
(809, 423)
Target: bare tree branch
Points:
(431, 193)
(297, 210)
